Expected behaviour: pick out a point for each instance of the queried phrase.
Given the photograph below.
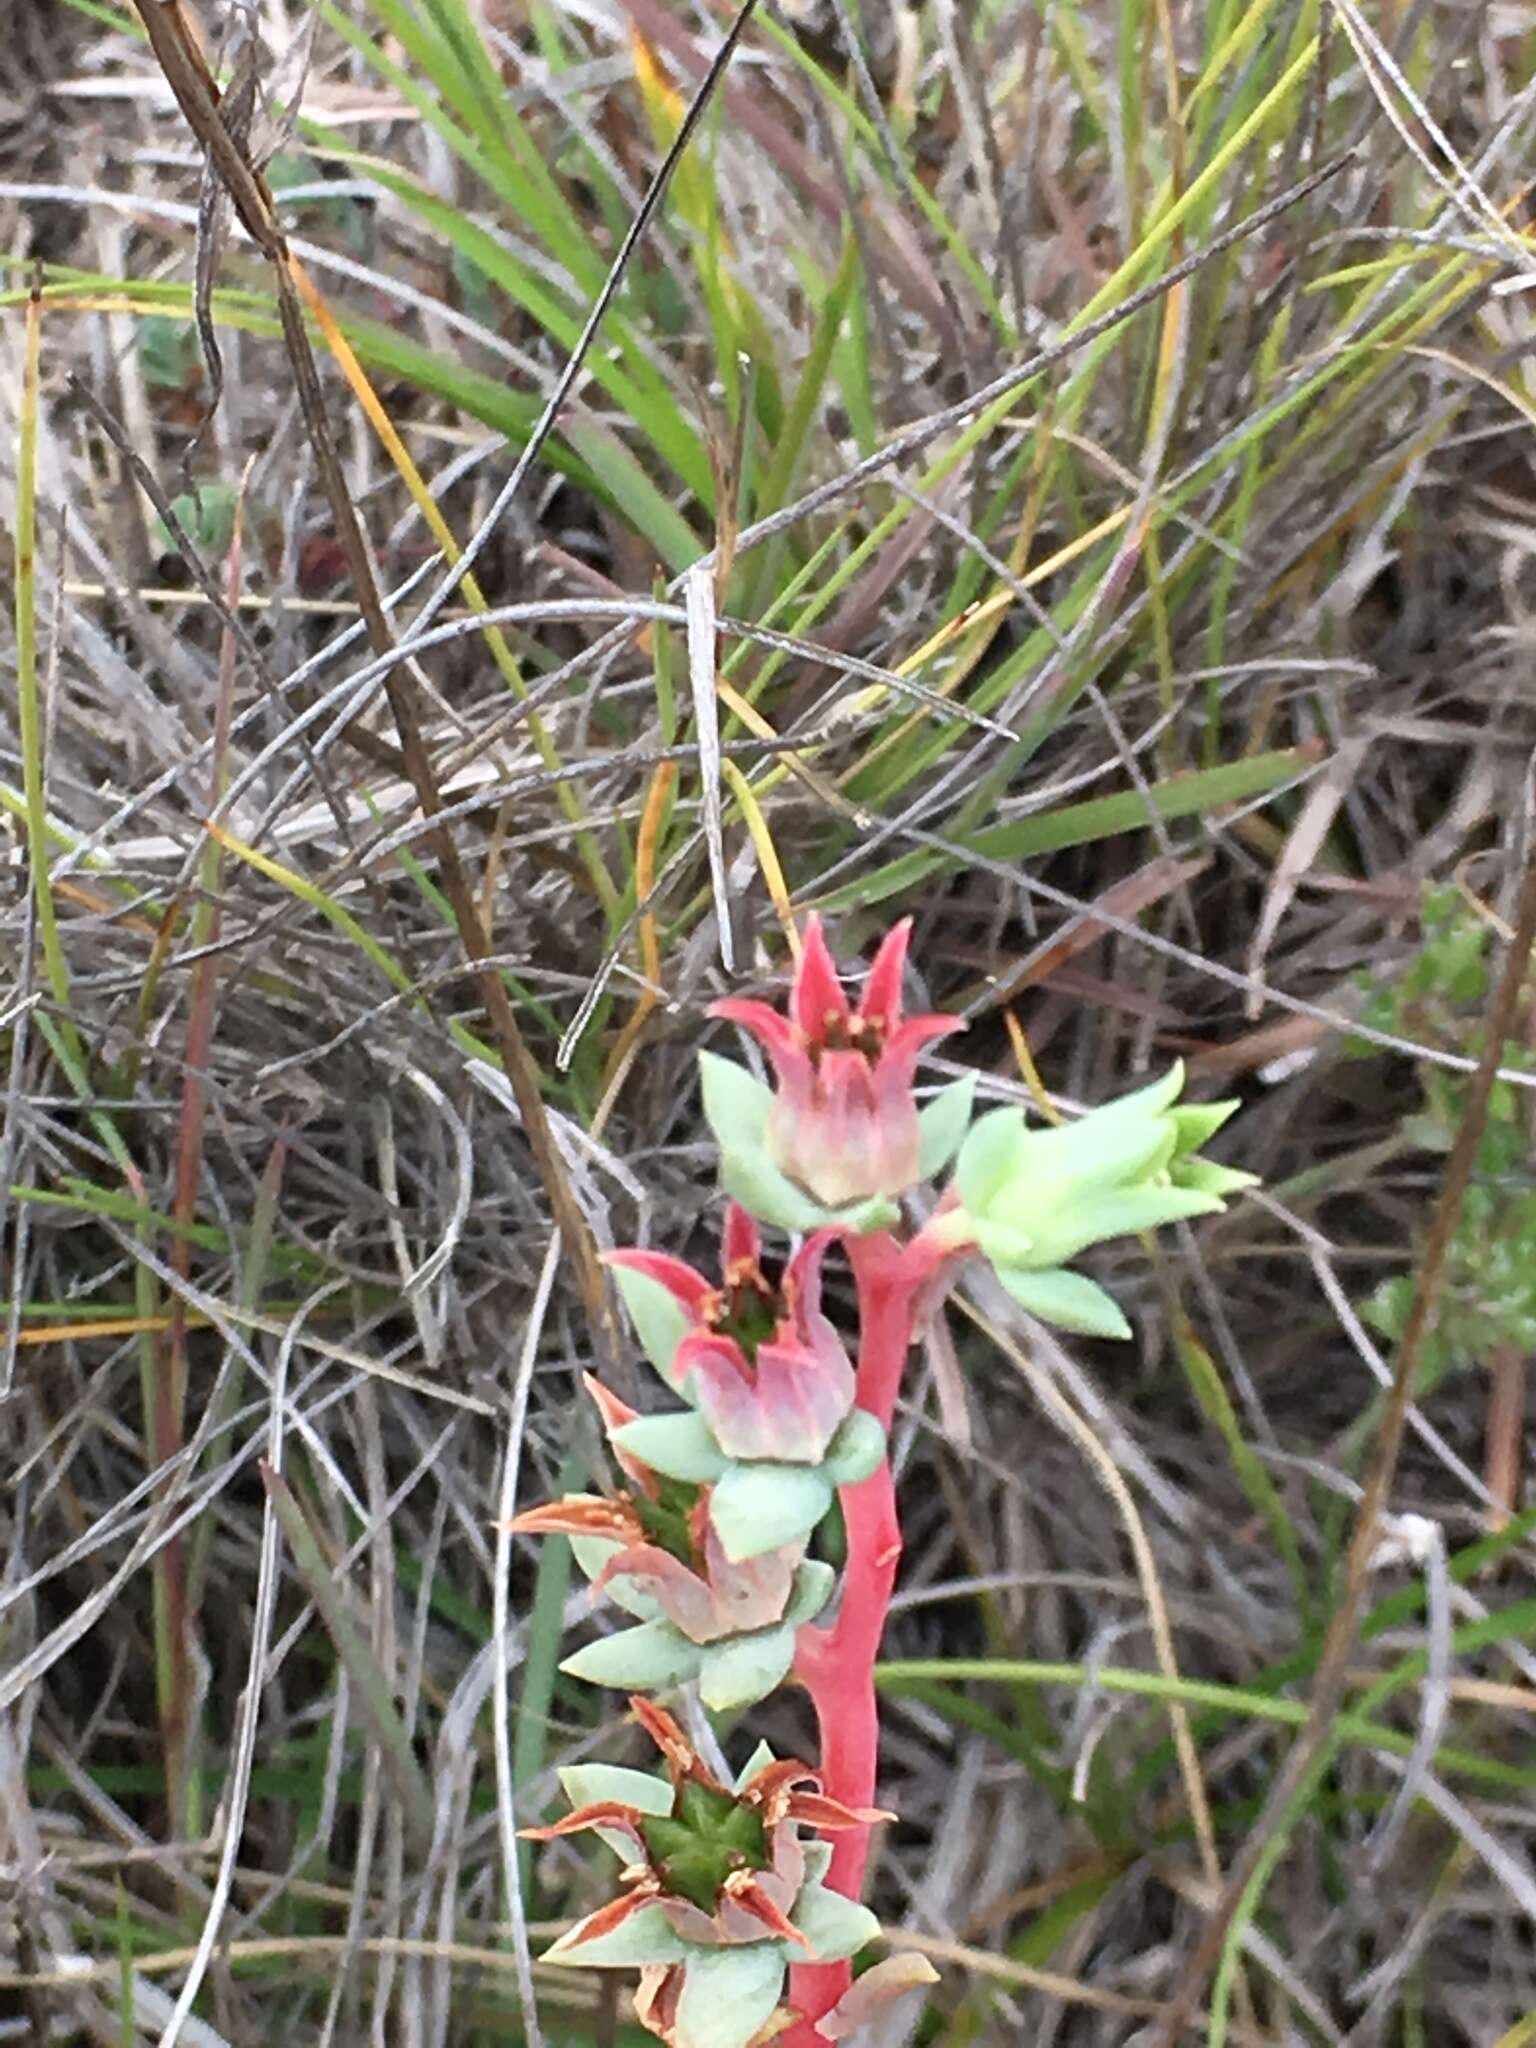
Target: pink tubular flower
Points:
(668, 1553)
(764, 1366)
(844, 1124)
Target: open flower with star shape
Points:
(841, 1138)
(727, 1620)
(719, 1893)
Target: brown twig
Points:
(198, 97)
(1338, 1647)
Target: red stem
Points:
(836, 1665)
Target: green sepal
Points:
(942, 1124)
(660, 1321)
(593, 1554)
(761, 1507)
(1208, 1178)
(812, 1590)
(645, 1937)
(729, 1994)
(1198, 1122)
(754, 1766)
(856, 1450)
(742, 1670)
(836, 1927)
(592, 1784)
(637, 1659)
(678, 1446)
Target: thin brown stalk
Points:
(1343, 1629)
(198, 97)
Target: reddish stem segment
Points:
(836, 1665)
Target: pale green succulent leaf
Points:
(856, 1450)
(750, 1177)
(742, 1670)
(1124, 1213)
(836, 1927)
(812, 1590)
(1155, 1097)
(679, 1446)
(942, 1124)
(1211, 1179)
(986, 1159)
(1198, 1122)
(755, 1764)
(759, 1507)
(660, 1320)
(592, 1554)
(1066, 1299)
(592, 1784)
(638, 1659)
(1101, 1150)
(728, 1994)
(645, 1937)
(1001, 1243)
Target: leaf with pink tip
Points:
(661, 1322)
(876, 1988)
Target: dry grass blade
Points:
(699, 602)
(198, 98)
(374, 1686)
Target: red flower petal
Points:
(880, 1003)
(581, 1515)
(615, 1414)
(669, 1738)
(607, 1917)
(816, 999)
(773, 1033)
(656, 1999)
(770, 1790)
(741, 1243)
(682, 1595)
(602, 1813)
(690, 1290)
(744, 1891)
(816, 1810)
